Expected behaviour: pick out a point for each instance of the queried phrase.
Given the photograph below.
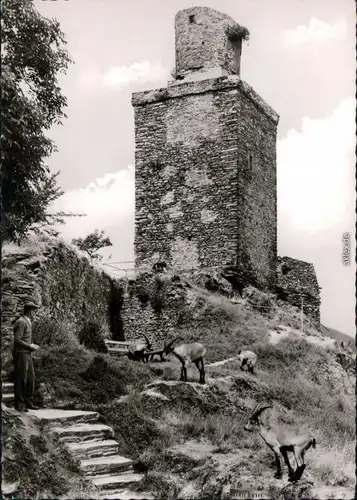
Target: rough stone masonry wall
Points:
(151, 306)
(296, 279)
(202, 43)
(200, 201)
(257, 192)
(65, 285)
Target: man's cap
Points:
(30, 305)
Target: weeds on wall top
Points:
(236, 32)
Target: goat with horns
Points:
(281, 440)
(137, 352)
(186, 354)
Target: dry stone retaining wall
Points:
(68, 288)
(65, 285)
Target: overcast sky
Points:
(300, 59)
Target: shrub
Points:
(264, 302)
(48, 332)
(92, 337)
(67, 374)
(236, 32)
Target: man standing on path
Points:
(24, 380)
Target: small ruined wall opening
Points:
(114, 311)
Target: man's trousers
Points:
(24, 379)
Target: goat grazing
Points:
(137, 352)
(186, 354)
(247, 358)
(159, 352)
(281, 440)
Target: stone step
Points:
(127, 495)
(7, 387)
(116, 482)
(82, 432)
(93, 449)
(8, 398)
(106, 465)
(5, 376)
(64, 418)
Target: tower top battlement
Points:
(207, 41)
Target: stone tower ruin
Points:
(205, 159)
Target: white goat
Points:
(247, 358)
(186, 354)
(281, 440)
(137, 351)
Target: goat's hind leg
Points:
(278, 474)
(200, 366)
(300, 464)
(197, 364)
(287, 462)
(184, 373)
(183, 377)
(202, 372)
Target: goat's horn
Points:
(147, 340)
(171, 342)
(260, 408)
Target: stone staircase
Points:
(7, 389)
(92, 444)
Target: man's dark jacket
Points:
(23, 335)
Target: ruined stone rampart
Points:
(162, 305)
(63, 283)
(297, 280)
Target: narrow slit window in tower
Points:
(192, 19)
(250, 161)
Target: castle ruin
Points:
(205, 160)
(205, 156)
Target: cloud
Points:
(108, 202)
(316, 171)
(315, 179)
(316, 31)
(315, 206)
(143, 72)
(119, 77)
(316, 201)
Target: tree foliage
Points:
(33, 55)
(92, 243)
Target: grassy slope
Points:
(185, 435)
(160, 426)
(339, 336)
